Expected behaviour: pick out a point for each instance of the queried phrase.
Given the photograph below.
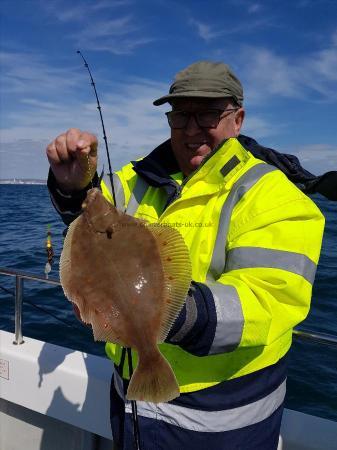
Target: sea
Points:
(25, 215)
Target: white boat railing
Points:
(19, 277)
(305, 335)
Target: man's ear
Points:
(238, 120)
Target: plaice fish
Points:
(129, 280)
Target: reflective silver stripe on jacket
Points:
(238, 190)
(119, 192)
(190, 319)
(212, 421)
(117, 189)
(137, 195)
(250, 257)
(230, 319)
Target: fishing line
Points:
(133, 402)
(89, 170)
(134, 405)
(7, 290)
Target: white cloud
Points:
(59, 11)
(38, 103)
(253, 8)
(259, 127)
(120, 26)
(44, 107)
(334, 39)
(114, 46)
(72, 14)
(133, 125)
(23, 158)
(206, 32)
(108, 4)
(119, 36)
(27, 72)
(267, 74)
(318, 158)
(99, 30)
(325, 64)
(63, 12)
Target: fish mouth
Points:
(97, 212)
(91, 197)
(93, 192)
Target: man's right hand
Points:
(73, 159)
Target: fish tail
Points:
(153, 381)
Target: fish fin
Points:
(66, 274)
(177, 268)
(65, 260)
(153, 382)
(65, 263)
(103, 329)
(83, 307)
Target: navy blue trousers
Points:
(158, 434)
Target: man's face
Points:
(192, 144)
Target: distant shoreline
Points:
(23, 181)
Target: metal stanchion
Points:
(18, 310)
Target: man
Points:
(254, 242)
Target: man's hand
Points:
(73, 159)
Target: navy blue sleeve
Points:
(194, 328)
(69, 206)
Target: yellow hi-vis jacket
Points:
(254, 240)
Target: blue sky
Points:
(285, 54)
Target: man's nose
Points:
(192, 128)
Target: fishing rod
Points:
(128, 350)
(102, 122)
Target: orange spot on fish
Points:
(170, 278)
(168, 259)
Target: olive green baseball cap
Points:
(204, 79)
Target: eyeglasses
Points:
(208, 118)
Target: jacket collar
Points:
(158, 166)
(157, 169)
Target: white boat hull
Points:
(52, 397)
